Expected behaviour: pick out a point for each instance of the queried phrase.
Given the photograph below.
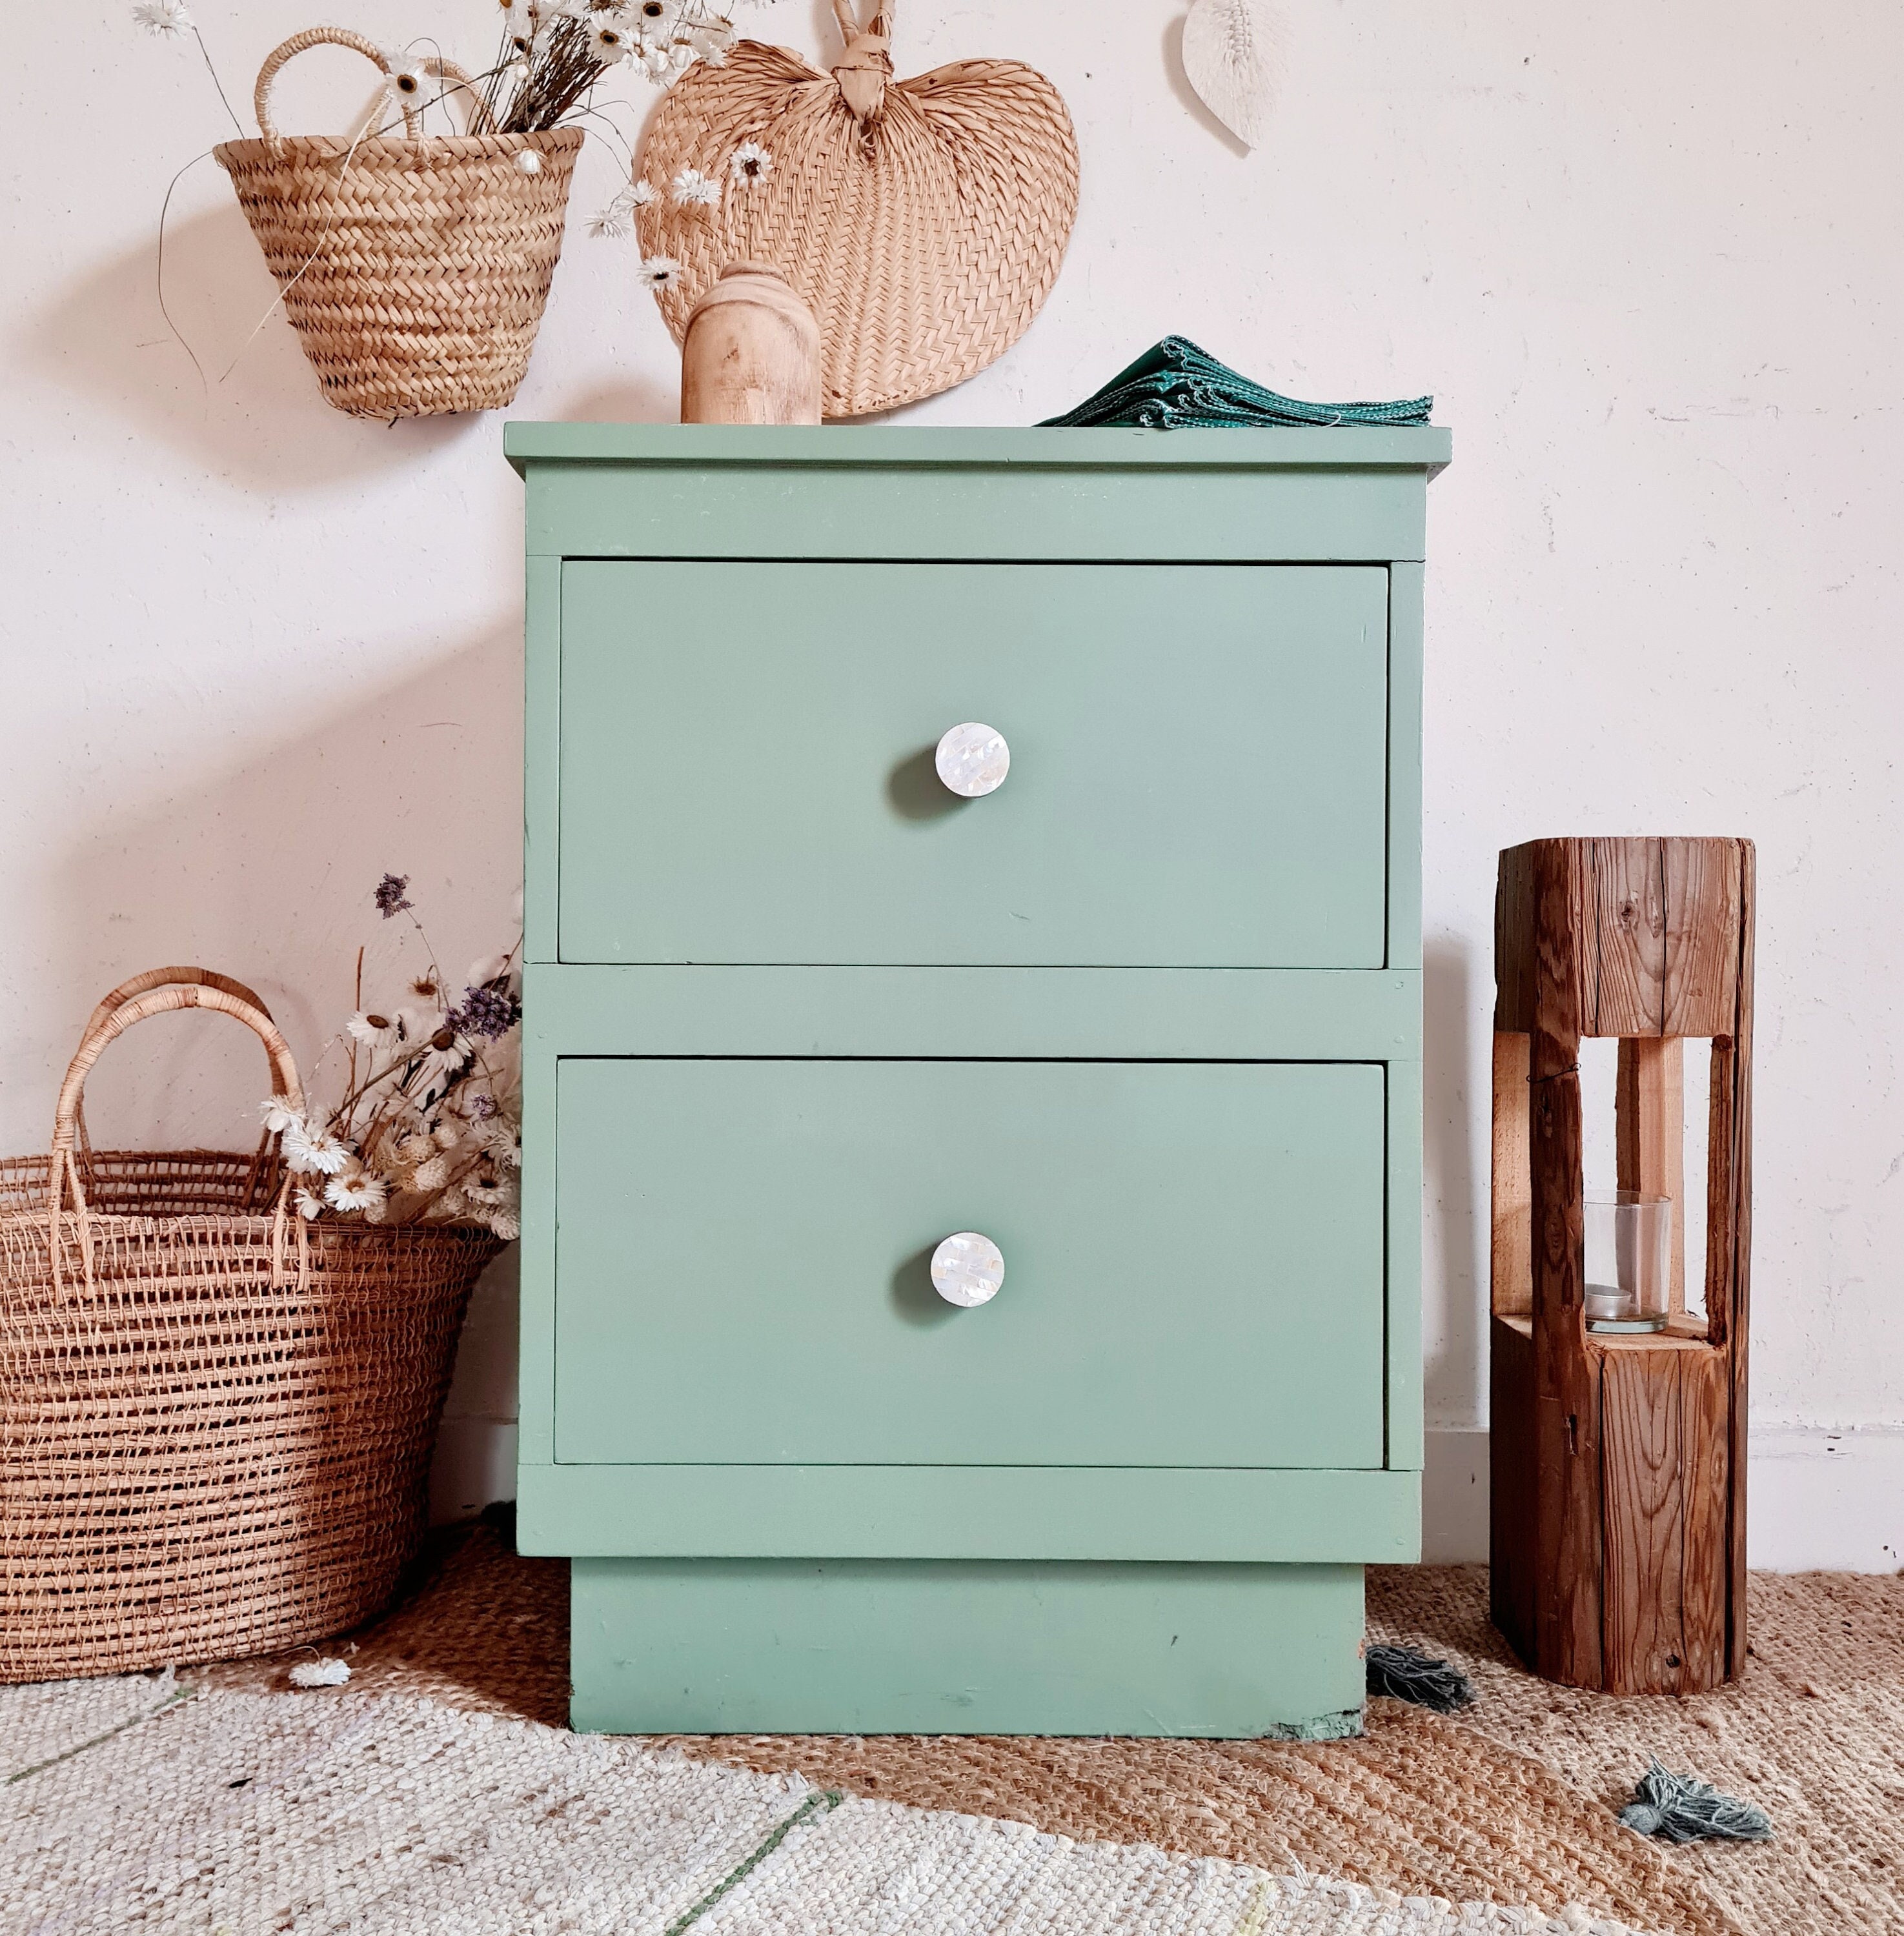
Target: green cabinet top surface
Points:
(1426, 447)
(730, 491)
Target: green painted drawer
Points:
(1198, 773)
(1194, 1262)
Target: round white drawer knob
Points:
(967, 1270)
(973, 759)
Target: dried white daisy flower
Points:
(487, 1188)
(309, 1155)
(611, 40)
(380, 1034)
(614, 219)
(310, 1205)
(440, 1061)
(168, 19)
(320, 1673)
(661, 272)
(279, 1116)
(505, 1224)
(655, 20)
(693, 190)
(356, 1188)
(409, 76)
(750, 165)
(415, 1148)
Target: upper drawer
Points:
(1197, 773)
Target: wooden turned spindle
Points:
(1618, 1535)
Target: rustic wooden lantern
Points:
(1618, 1461)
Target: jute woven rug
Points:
(1507, 1809)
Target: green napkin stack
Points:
(1177, 386)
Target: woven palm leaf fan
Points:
(924, 220)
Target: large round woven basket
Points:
(923, 220)
(216, 1420)
(414, 269)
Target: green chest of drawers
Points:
(1146, 1017)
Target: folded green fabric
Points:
(1177, 386)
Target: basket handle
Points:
(317, 37)
(160, 978)
(481, 121)
(158, 1001)
(866, 66)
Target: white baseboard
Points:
(1825, 1501)
(1815, 1501)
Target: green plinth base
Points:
(966, 1647)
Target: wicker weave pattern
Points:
(925, 237)
(414, 271)
(216, 1422)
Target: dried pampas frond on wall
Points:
(1230, 58)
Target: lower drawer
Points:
(1194, 1262)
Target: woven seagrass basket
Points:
(923, 221)
(414, 269)
(216, 1420)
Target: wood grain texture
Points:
(1627, 943)
(1642, 1448)
(1649, 1127)
(1618, 1542)
(1702, 913)
(751, 353)
(1566, 1411)
(1513, 1462)
(1707, 1589)
(1514, 927)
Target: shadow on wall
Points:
(1189, 96)
(419, 775)
(264, 870)
(258, 417)
(1448, 1173)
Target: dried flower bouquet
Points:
(552, 54)
(429, 1127)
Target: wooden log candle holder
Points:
(1617, 1534)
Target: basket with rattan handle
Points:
(414, 269)
(216, 1417)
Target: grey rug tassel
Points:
(1409, 1676)
(1683, 1810)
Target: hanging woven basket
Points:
(414, 269)
(216, 1419)
(924, 220)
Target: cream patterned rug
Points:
(1511, 1804)
(147, 1805)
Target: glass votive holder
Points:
(1629, 1261)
